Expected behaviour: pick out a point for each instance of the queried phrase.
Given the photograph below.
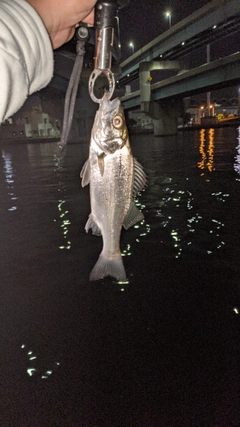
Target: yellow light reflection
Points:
(201, 164)
(210, 150)
(206, 149)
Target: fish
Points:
(115, 178)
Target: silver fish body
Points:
(114, 177)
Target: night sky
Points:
(143, 20)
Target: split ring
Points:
(93, 77)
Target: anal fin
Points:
(134, 215)
(92, 224)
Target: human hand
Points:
(61, 17)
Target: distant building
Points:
(32, 123)
(139, 120)
(219, 107)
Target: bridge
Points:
(213, 21)
(163, 100)
(209, 76)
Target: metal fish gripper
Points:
(93, 77)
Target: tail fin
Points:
(108, 267)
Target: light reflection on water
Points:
(9, 179)
(191, 207)
(182, 211)
(193, 213)
(65, 223)
(237, 157)
(142, 229)
(34, 369)
(206, 149)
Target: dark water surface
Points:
(161, 350)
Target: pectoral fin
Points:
(85, 173)
(134, 215)
(101, 163)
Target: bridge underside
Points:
(163, 101)
(212, 22)
(221, 73)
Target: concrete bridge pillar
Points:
(165, 126)
(165, 115)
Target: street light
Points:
(212, 109)
(169, 16)
(131, 45)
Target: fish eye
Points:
(117, 122)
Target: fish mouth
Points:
(108, 105)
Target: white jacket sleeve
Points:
(26, 56)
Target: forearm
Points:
(26, 57)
